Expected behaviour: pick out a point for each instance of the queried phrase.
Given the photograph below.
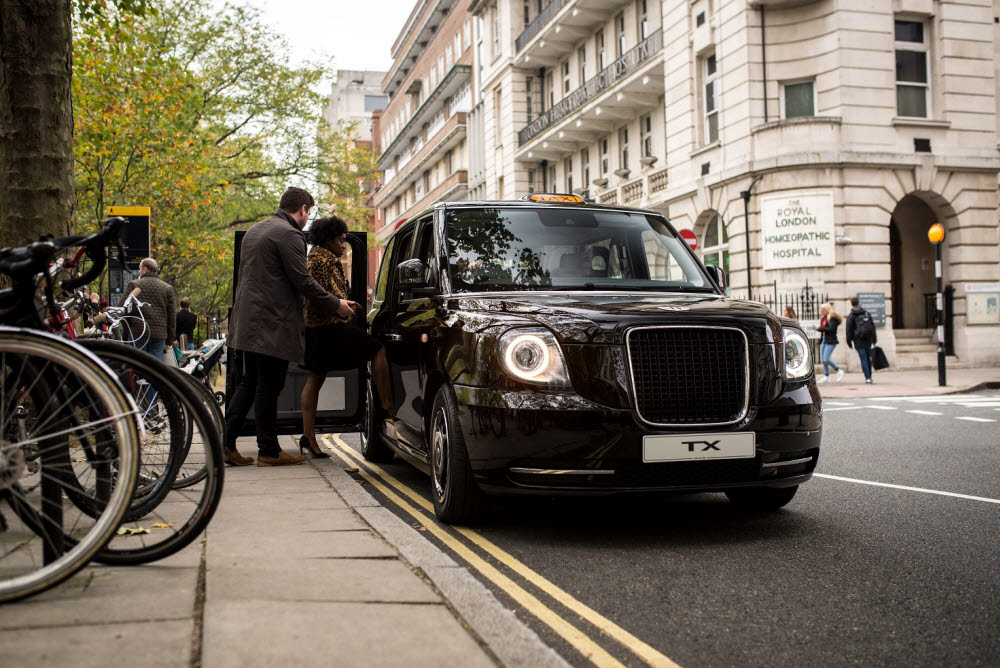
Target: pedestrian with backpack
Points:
(861, 335)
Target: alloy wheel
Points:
(439, 454)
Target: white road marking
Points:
(884, 408)
(981, 404)
(907, 488)
(975, 419)
(837, 403)
(842, 408)
(918, 412)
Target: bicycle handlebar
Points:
(94, 246)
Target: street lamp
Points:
(745, 194)
(936, 235)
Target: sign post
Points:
(936, 235)
(136, 244)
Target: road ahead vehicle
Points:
(554, 346)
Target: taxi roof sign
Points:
(554, 197)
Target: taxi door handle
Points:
(394, 337)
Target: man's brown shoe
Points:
(283, 459)
(234, 458)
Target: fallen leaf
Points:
(128, 531)
(351, 470)
(162, 525)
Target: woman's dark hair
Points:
(324, 229)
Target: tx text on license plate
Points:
(691, 447)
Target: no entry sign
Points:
(690, 238)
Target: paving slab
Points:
(302, 633)
(103, 595)
(280, 547)
(237, 520)
(161, 644)
(359, 580)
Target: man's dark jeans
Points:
(262, 382)
(864, 352)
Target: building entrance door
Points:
(911, 257)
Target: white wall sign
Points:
(982, 302)
(798, 230)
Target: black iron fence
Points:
(804, 304)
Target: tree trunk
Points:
(36, 119)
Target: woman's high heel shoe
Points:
(305, 445)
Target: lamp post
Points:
(936, 235)
(745, 194)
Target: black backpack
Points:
(864, 327)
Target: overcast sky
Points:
(356, 34)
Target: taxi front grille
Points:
(688, 376)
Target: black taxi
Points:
(552, 346)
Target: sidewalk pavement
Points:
(894, 383)
(291, 572)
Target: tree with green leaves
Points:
(350, 174)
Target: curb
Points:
(510, 640)
(976, 387)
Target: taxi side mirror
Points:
(718, 275)
(411, 276)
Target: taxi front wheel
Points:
(456, 495)
(762, 499)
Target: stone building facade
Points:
(844, 128)
(353, 98)
(423, 128)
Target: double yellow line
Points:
(422, 510)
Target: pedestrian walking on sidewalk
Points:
(861, 335)
(186, 322)
(333, 342)
(828, 324)
(160, 304)
(266, 325)
(789, 312)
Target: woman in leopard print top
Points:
(332, 342)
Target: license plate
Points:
(694, 447)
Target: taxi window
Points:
(382, 282)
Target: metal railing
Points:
(596, 85)
(536, 26)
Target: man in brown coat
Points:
(161, 303)
(266, 325)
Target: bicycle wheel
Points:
(162, 446)
(183, 513)
(190, 473)
(93, 430)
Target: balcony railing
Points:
(635, 192)
(596, 85)
(536, 26)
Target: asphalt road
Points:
(848, 573)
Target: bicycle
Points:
(67, 429)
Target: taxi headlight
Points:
(533, 355)
(798, 360)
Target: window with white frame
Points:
(710, 77)
(601, 50)
(799, 99)
(620, 35)
(715, 243)
(497, 105)
(568, 173)
(605, 163)
(565, 77)
(496, 32)
(585, 167)
(912, 80)
(581, 62)
(531, 180)
(623, 147)
(527, 98)
(646, 135)
(642, 13)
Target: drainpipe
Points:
(745, 194)
(763, 58)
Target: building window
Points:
(799, 99)
(500, 188)
(715, 244)
(568, 173)
(646, 134)
(581, 59)
(602, 58)
(565, 77)
(585, 166)
(496, 33)
(527, 12)
(619, 35)
(497, 103)
(711, 76)
(911, 69)
(643, 14)
(623, 147)
(550, 86)
(550, 186)
(531, 180)
(604, 157)
(374, 102)
(527, 97)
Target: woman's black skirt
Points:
(338, 347)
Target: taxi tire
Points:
(761, 499)
(373, 446)
(463, 501)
